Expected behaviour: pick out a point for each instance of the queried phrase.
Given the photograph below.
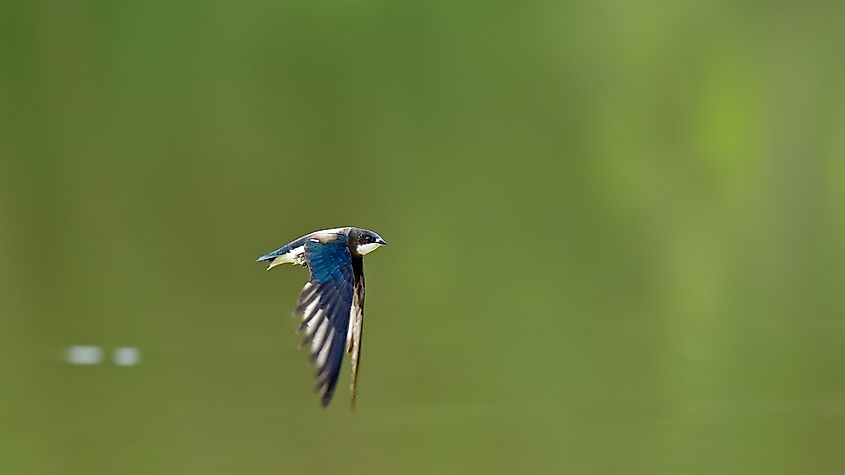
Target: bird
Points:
(331, 304)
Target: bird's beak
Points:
(381, 241)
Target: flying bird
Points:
(332, 302)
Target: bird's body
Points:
(332, 302)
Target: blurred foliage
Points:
(616, 235)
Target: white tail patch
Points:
(295, 256)
(278, 261)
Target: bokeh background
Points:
(616, 235)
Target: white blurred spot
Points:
(126, 356)
(84, 355)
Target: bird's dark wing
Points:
(325, 304)
(356, 323)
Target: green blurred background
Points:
(616, 235)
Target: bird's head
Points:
(367, 241)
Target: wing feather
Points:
(356, 332)
(324, 304)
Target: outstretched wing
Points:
(325, 304)
(356, 330)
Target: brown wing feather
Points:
(356, 325)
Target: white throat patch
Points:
(365, 249)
